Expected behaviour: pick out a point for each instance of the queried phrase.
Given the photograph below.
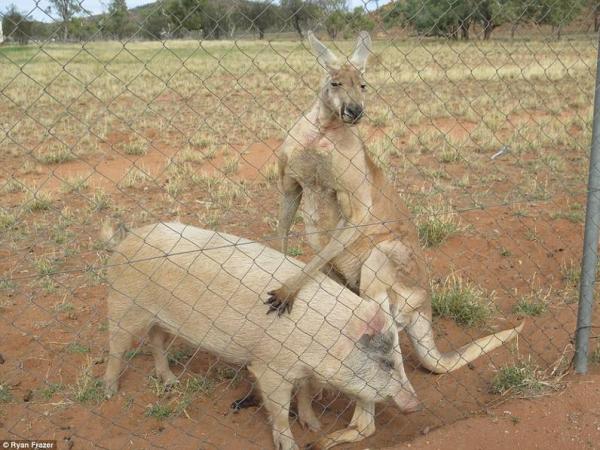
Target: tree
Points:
(66, 9)
(492, 13)
(185, 15)
(450, 18)
(557, 13)
(258, 15)
(212, 18)
(16, 26)
(155, 24)
(118, 22)
(335, 13)
(359, 21)
(300, 13)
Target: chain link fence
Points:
(476, 119)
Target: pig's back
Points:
(211, 290)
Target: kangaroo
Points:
(353, 215)
(209, 289)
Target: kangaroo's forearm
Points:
(343, 237)
(287, 211)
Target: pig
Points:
(210, 288)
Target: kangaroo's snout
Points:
(352, 112)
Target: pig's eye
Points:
(387, 364)
(336, 84)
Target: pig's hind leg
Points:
(276, 394)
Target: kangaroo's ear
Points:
(362, 51)
(325, 57)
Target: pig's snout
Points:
(407, 401)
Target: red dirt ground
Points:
(509, 249)
(567, 420)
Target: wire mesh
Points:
(476, 116)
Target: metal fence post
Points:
(590, 241)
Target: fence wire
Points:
(155, 157)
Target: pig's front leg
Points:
(361, 426)
(276, 394)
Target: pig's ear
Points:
(369, 322)
(376, 324)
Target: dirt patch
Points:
(567, 420)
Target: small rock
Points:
(425, 431)
(28, 395)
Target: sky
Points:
(36, 8)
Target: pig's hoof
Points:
(169, 383)
(280, 300)
(110, 389)
(249, 401)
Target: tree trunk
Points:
(464, 29)
(487, 30)
(597, 20)
(297, 26)
(261, 34)
(558, 32)
(513, 30)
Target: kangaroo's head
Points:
(343, 91)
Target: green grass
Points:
(88, 388)
(295, 251)
(76, 184)
(44, 266)
(530, 306)
(461, 301)
(38, 201)
(99, 201)
(7, 220)
(522, 378)
(159, 411)
(76, 347)
(135, 148)
(575, 213)
(180, 356)
(48, 391)
(595, 355)
(435, 231)
(5, 395)
(199, 384)
(6, 284)
(436, 221)
(56, 155)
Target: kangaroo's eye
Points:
(336, 83)
(363, 86)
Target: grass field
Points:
(182, 130)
